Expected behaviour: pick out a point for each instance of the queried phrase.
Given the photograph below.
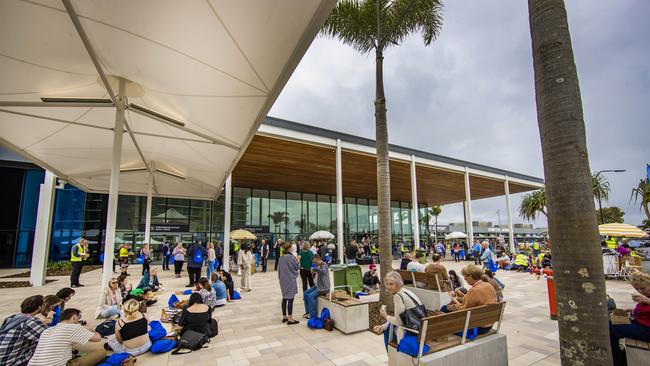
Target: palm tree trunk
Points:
(383, 180)
(577, 261)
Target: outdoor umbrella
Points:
(455, 235)
(624, 230)
(321, 235)
(242, 234)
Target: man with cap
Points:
(371, 279)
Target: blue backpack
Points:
(115, 359)
(162, 346)
(319, 322)
(236, 295)
(198, 256)
(409, 345)
(173, 299)
(157, 331)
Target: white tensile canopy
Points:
(156, 97)
(455, 235)
(199, 78)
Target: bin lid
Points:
(338, 267)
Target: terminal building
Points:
(284, 186)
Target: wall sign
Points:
(166, 228)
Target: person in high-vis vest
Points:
(78, 254)
(535, 248)
(124, 255)
(373, 250)
(612, 243)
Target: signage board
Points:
(257, 229)
(167, 228)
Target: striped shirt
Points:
(55, 346)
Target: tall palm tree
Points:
(435, 211)
(577, 261)
(532, 204)
(278, 218)
(375, 25)
(600, 186)
(641, 195)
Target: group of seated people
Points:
(524, 262)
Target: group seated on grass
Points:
(48, 332)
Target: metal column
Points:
(147, 225)
(41, 251)
(226, 223)
(414, 204)
(339, 203)
(511, 231)
(113, 190)
(468, 210)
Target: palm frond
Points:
(404, 17)
(353, 23)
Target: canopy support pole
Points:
(41, 251)
(468, 210)
(511, 231)
(340, 241)
(414, 204)
(113, 190)
(226, 223)
(147, 227)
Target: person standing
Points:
(476, 251)
(264, 254)
(351, 252)
(288, 268)
(276, 252)
(145, 252)
(20, 332)
(196, 255)
(78, 254)
(165, 249)
(179, 259)
(305, 267)
(487, 255)
(209, 263)
(218, 250)
(245, 260)
(322, 287)
(124, 254)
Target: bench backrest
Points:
(432, 281)
(459, 321)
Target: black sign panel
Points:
(167, 228)
(257, 229)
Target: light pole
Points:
(600, 207)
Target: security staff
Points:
(78, 254)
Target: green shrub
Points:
(60, 266)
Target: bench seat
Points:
(637, 352)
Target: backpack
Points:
(116, 359)
(409, 345)
(236, 296)
(106, 328)
(157, 331)
(162, 346)
(218, 251)
(191, 340)
(213, 328)
(197, 257)
(173, 299)
(319, 322)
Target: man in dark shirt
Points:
(371, 279)
(196, 255)
(264, 254)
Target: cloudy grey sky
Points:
(470, 95)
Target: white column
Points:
(41, 250)
(226, 223)
(511, 231)
(339, 203)
(468, 209)
(147, 225)
(414, 200)
(113, 189)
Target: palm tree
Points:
(533, 204)
(600, 186)
(374, 25)
(641, 195)
(435, 211)
(577, 261)
(278, 218)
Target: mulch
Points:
(55, 272)
(17, 284)
(373, 315)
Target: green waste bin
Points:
(348, 275)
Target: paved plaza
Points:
(251, 332)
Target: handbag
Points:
(191, 340)
(411, 317)
(106, 328)
(213, 328)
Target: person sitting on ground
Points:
(479, 293)
(415, 265)
(131, 332)
(547, 261)
(488, 277)
(403, 299)
(208, 295)
(310, 297)
(226, 278)
(65, 294)
(521, 262)
(455, 281)
(20, 332)
(220, 290)
(48, 313)
(150, 280)
(436, 268)
(55, 347)
(371, 281)
(110, 301)
(406, 259)
(639, 326)
(503, 261)
(144, 295)
(195, 316)
(124, 286)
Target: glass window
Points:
(260, 207)
(396, 218)
(350, 224)
(240, 209)
(178, 211)
(294, 212)
(325, 213)
(278, 212)
(406, 214)
(127, 213)
(363, 220)
(200, 215)
(217, 214)
(309, 209)
(373, 214)
(158, 208)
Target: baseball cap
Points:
(372, 266)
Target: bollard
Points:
(550, 284)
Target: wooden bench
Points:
(637, 352)
(447, 348)
(430, 294)
(349, 315)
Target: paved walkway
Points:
(251, 332)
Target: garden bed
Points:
(17, 284)
(55, 272)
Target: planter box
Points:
(350, 316)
